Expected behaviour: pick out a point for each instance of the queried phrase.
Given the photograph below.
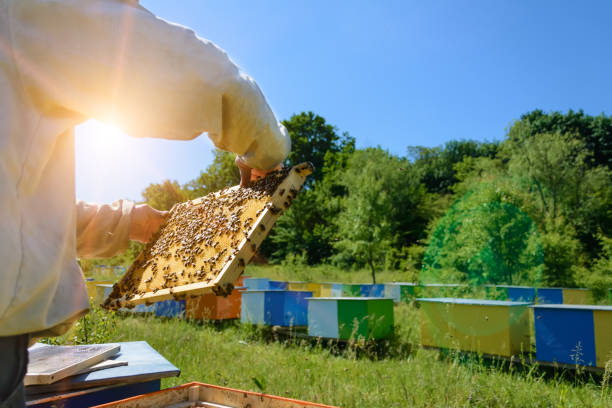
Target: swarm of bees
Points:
(200, 237)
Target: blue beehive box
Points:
(547, 296)
(519, 293)
(277, 285)
(377, 290)
(573, 334)
(336, 290)
(170, 308)
(256, 283)
(275, 307)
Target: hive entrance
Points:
(205, 244)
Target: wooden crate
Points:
(494, 327)
(205, 395)
(350, 318)
(573, 334)
(285, 308)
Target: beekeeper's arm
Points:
(116, 62)
(105, 230)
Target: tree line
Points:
(534, 208)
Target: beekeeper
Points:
(61, 63)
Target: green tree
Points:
(163, 196)
(308, 226)
(384, 197)
(594, 131)
(436, 165)
(222, 172)
(554, 168)
(313, 139)
(485, 238)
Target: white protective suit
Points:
(62, 62)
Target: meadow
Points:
(395, 373)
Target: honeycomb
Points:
(200, 238)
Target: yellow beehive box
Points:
(315, 288)
(485, 326)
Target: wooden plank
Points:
(205, 244)
(48, 364)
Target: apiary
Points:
(299, 286)
(577, 296)
(315, 288)
(350, 317)
(369, 290)
(196, 394)
(336, 290)
(550, 296)
(279, 285)
(587, 343)
(517, 293)
(204, 244)
(351, 289)
(399, 291)
(285, 308)
(256, 283)
(326, 289)
(494, 327)
(170, 308)
(212, 307)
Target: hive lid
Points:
(205, 244)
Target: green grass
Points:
(397, 374)
(323, 273)
(400, 375)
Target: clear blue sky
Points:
(391, 73)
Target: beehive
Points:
(280, 285)
(275, 307)
(205, 244)
(350, 317)
(550, 296)
(372, 290)
(588, 343)
(351, 289)
(492, 327)
(518, 293)
(399, 291)
(256, 283)
(212, 307)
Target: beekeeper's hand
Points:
(248, 174)
(145, 221)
